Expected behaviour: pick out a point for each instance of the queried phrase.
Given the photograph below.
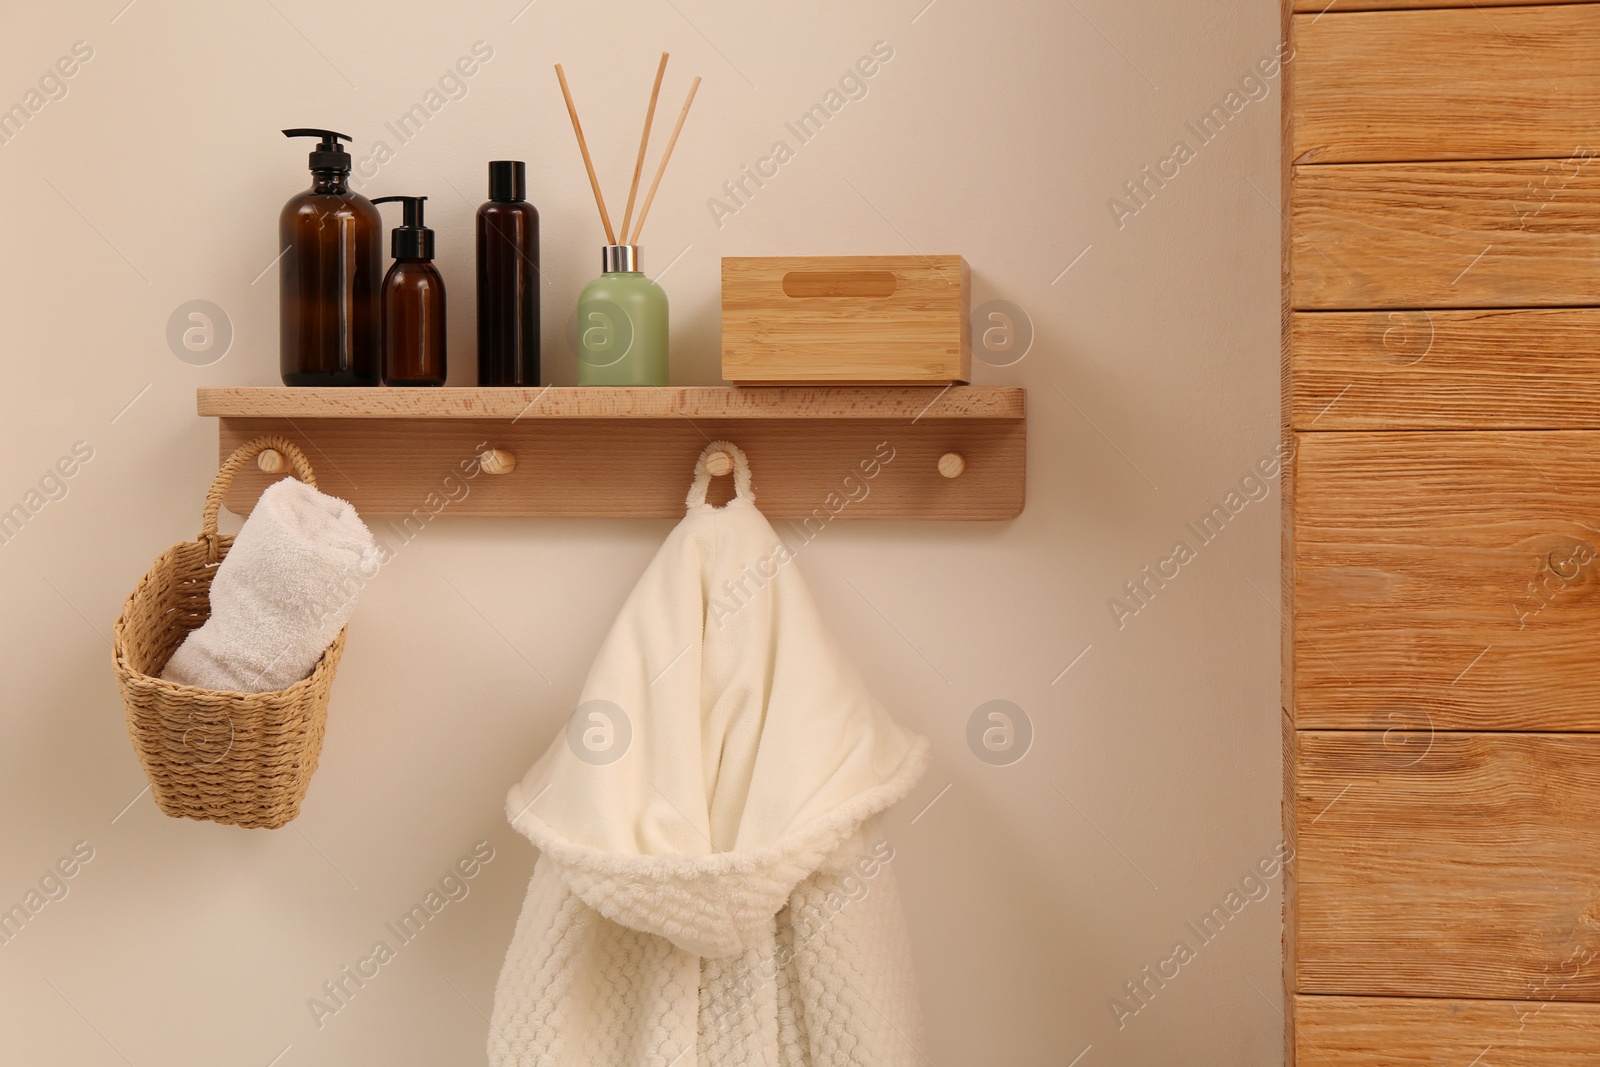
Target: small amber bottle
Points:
(413, 303)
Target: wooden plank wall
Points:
(1442, 532)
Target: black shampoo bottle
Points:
(508, 280)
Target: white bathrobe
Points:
(712, 889)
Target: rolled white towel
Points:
(282, 594)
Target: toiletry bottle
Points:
(413, 303)
(622, 324)
(332, 260)
(508, 280)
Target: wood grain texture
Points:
(1444, 235)
(1447, 864)
(1286, 530)
(808, 470)
(689, 402)
(1286, 372)
(1496, 369)
(1389, 1032)
(1507, 83)
(1315, 7)
(1291, 841)
(1452, 577)
(802, 319)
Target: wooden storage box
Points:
(861, 320)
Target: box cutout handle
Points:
(843, 283)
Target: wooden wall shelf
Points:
(619, 452)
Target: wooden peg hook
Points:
(497, 461)
(952, 464)
(272, 461)
(719, 464)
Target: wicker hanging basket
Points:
(240, 758)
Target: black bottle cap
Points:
(508, 179)
(412, 240)
(330, 154)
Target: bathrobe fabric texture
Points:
(712, 889)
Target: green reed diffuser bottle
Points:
(622, 315)
(622, 324)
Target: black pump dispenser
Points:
(329, 277)
(329, 154)
(412, 240)
(413, 303)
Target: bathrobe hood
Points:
(723, 744)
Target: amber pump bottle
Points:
(329, 238)
(413, 303)
(508, 280)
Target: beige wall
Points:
(999, 130)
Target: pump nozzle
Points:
(330, 154)
(413, 216)
(412, 240)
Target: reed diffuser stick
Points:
(644, 139)
(662, 169)
(583, 146)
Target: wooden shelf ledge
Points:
(695, 402)
(817, 453)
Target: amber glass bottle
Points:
(413, 303)
(508, 280)
(330, 238)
